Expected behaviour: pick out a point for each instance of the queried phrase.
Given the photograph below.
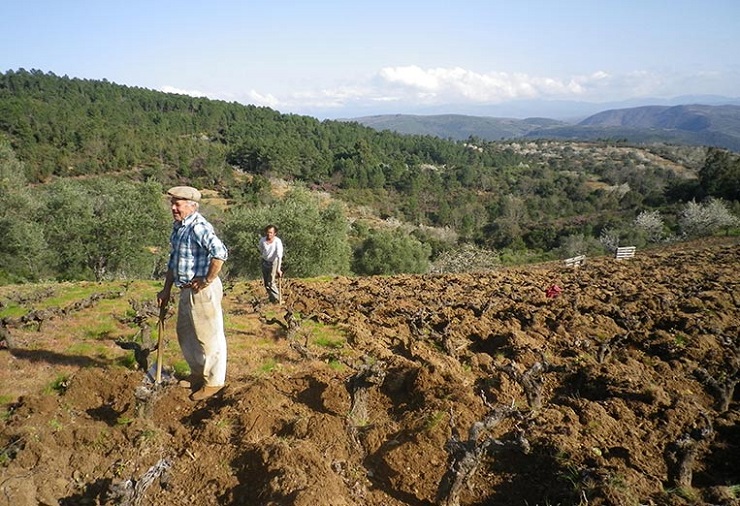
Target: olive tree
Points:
(314, 234)
(104, 228)
(391, 252)
(24, 254)
(579, 244)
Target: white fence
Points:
(575, 261)
(625, 252)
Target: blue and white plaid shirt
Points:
(193, 244)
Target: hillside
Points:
(456, 126)
(692, 118)
(717, 126)
(697, 125)
(68, 145)
(462, 389)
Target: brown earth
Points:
(473, 389)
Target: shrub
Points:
(391, 252)
(314, 235)
(651, 224)
(609, 239)
(579, 244)
(466, 258)
(708, 218)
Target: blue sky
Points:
(345, 58)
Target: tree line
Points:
(69, 145)
(102, 228)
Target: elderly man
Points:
(196, 258)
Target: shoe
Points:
(192, 382)
(205, 393)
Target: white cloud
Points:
(331, 98)
(268, 100)
(251, 97)
(178, 91)
(409, 87)
(456, 84)
(414, 86)
(412, 76)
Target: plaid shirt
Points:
(193, 244)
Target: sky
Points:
(348, 58)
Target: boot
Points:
(192, 382)
(205, 393)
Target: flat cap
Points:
(184, 193)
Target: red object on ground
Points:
(553, 291)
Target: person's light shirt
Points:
(272, 251)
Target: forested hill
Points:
(68, 144)
(64, 126)
(697, 125)
(457, 126)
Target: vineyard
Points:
(608, 383)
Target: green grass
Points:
(12, 293)
(681, 340)
(684, 493)
(145, 436)
(58, 385)
(268, 366)
(225, 423)
(328, 342)
(102, 330)
(63, 295)
(433, 420)
(87, 349)
(233, 325)
(336, 365)
(325, 336)
(101, 441)
(181, 369)
(69, 293)
(734, 490)
(101, 351)
(128, 361)
(13, 311)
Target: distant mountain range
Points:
(697, 125)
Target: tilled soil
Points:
(469, 389)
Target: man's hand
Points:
(199, 284)
(163, 298)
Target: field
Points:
(469, 389)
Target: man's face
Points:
(270, 233)
(181, 209)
